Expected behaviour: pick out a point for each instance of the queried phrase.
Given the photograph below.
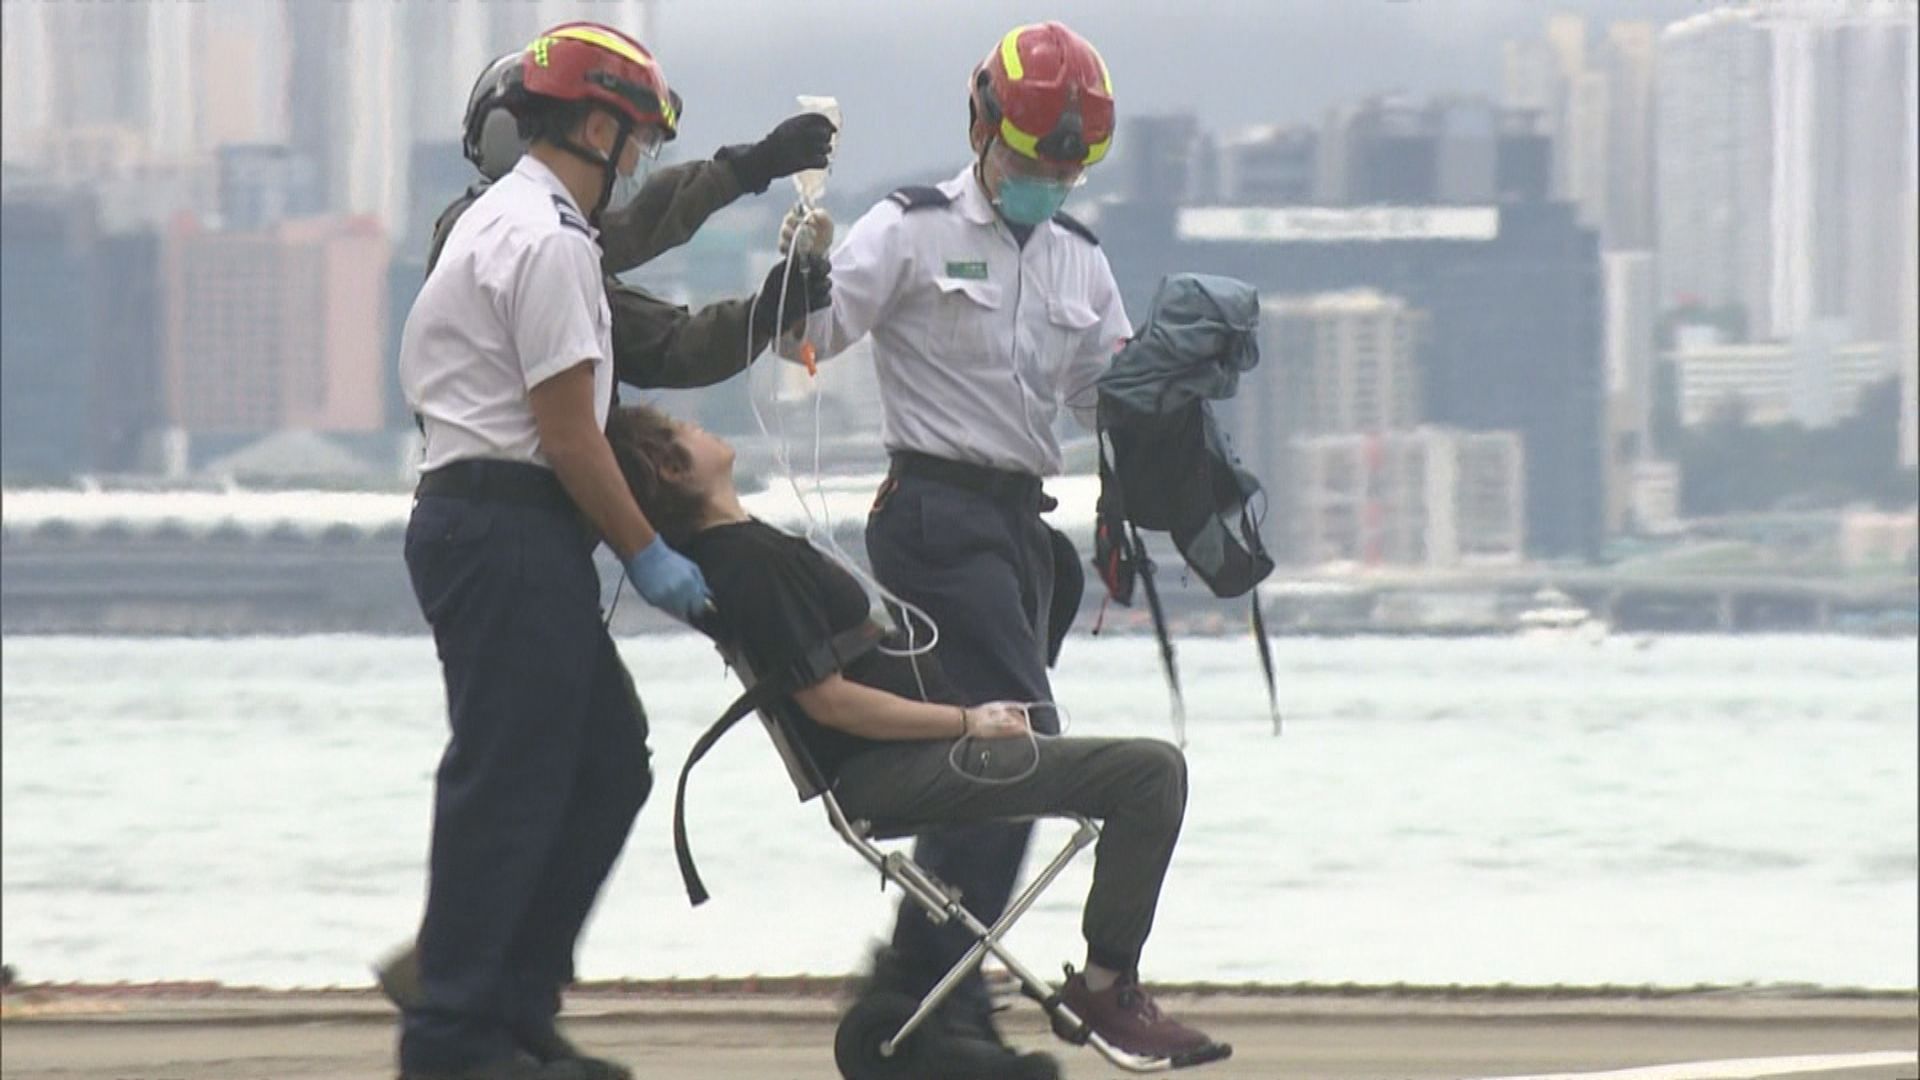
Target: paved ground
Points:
(205, 1034)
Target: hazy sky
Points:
(899, 68)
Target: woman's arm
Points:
(872, 713)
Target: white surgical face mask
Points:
(626, 186)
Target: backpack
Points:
(1165, 465)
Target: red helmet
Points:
(583, 61)
(1048, 93)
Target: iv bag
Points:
(812, 183)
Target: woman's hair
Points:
(644, 444)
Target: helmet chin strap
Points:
(980, 167)
(609, 164)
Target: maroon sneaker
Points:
(1125, 1015)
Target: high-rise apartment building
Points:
(1430, 497)
(1167, 157)
(24, 38)
(1451, 150)
(47, 323)
(262, 183)
(79, 355)
(1511, 294)
(1332, 363)
(1631, 313)
(1714, 155)
(1786, 155)
(276, 329)
(1270, 166)
(1596, 101)
(1813, 380)
(1630, 57)
(1349, 360)
(1332, 417)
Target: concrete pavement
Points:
(786, 1033)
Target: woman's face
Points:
(710, 462)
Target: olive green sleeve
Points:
(672, 206)
(663, 346)
(658, 345)
(444, 223)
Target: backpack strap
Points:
(1266, 660)
(1121, 558)
(822, 660)
(1167, 661)
(1111, 557)
(1076, 227)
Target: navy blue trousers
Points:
(983, 569)
(545, 770)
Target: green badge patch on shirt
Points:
(971, 271)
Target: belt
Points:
(483, 480)
(1021, 489)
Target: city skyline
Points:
(1726, 168)
(352, 85)
(249, 70)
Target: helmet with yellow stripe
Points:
(1044, 91)
(583, 61)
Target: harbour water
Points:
(1668, 811)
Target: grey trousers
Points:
(1136, 788)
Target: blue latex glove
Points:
(670, 581)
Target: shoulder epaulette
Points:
(919, 198)
(1073, 226)
(571, 219)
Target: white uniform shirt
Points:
(978, 341)
(515, 299)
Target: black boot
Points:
(510, 1069)
(399, 979)
(961, 1041)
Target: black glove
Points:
(809, 289)
(799, 142)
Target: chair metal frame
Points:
(942, 902)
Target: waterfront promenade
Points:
(784, 1031)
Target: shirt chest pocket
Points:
(1069, 322)
(970, 326)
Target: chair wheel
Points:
(866, 1027)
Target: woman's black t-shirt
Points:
(779, 597)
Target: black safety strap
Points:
(1266, 660)
(1110, 555)
(1125, 560)
(1167, 662)
(1250, 532)
(829, 656)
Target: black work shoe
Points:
(961, 1041)
(970, 1016)
(399, 979)
(961, 1014)
(549, 1046)
(514, 1068)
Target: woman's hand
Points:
(997, 720)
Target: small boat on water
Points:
(1554, 614)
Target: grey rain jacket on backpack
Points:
(1171, 468)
